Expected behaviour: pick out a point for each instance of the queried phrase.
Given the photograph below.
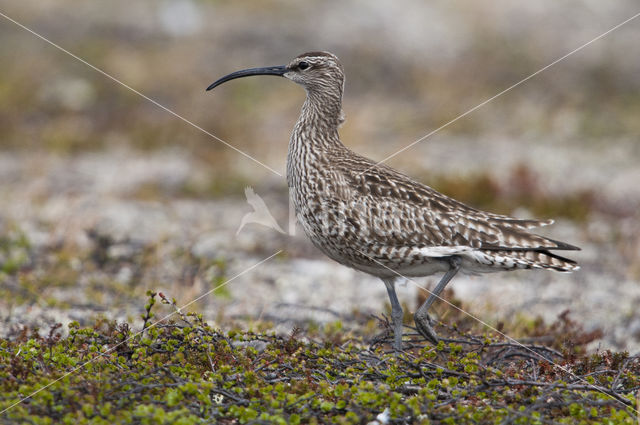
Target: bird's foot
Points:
(424, 326)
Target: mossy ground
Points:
(182, 370)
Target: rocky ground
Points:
(90, 234)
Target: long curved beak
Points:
(269, 70)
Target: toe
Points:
(425, 329)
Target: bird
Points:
(370, 217)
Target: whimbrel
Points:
(375, 219)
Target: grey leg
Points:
(396, 313)
(421, 317)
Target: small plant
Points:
(191, 373)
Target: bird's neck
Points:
(320, 117)
(314, 136)
(325, 107)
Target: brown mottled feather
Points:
(373, 218)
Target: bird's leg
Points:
(421, 317)
(396, 313)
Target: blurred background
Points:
(104, 195)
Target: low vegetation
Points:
(185, 371)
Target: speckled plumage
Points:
(372, 218)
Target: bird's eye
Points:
(303, 65)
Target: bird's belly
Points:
(427, 267)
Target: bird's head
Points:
(317, 72)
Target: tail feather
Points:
(563, 245)
(523, 224)
(531, 259)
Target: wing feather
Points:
(433, 219)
